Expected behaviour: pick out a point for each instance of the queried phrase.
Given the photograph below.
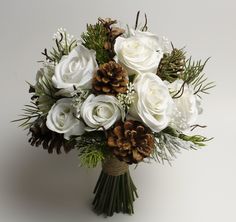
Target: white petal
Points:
(77, 129)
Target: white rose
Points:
(61, 119)
(187, 107)
(75, 69)
(101, 111)
(161, 44)
(153, 103)
(139, 53)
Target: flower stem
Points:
(114, 194)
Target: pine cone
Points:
(112, 33)
(171, 65)
(111, 78)
(50, 140)
(130, 141)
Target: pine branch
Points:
(95, 38)
(91, 147)
(170, 142)
(193, 75)
(172, 65)
(30, 114)
(91, 157)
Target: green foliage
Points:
(44, 91)
(30, 114)
(91, 157)
(175, 66)
(172, 65)
(91, 147)
(193, 75)
(169, 142)
(196, 139)
(44, 96)
(64, 43)
(95, 38)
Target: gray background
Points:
(200, 187)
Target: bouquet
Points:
(119, 96)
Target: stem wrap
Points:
(113, 167)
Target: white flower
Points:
(101, 111)
(61, 119)
(161, 44)
(187, 107)
(153, 103)
(140, 53)
(75, 69)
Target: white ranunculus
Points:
(153, 103)
(101, 112)
(75, 69)
(139, 53)
(61, 119)
(187, 107)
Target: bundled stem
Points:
(115, 190)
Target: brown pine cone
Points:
(131, 141)
(111, 78)
(113, 31)
(41, 135)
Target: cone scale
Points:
(115, 191)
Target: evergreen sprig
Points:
(45, 92)
(90, 157)
(172, 65)
(30, 114)
(95, 38)
(169, 142)
(44, 96)
(193, 74)
(63, 46)
(91, 147)
(196, 139)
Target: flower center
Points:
(104, 112)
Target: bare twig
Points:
(136, 21)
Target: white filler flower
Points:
(187, 107)
(75, 69)
(141, 52)
(101, 112)
(153, 103)
(61, 119)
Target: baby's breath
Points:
(78, 97)
(64, 37)
(126, 99)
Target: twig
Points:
(193, 127)
(136, 21)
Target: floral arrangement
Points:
(119, 96)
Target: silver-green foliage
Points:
(169, 142)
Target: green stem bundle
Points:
(114, 194)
